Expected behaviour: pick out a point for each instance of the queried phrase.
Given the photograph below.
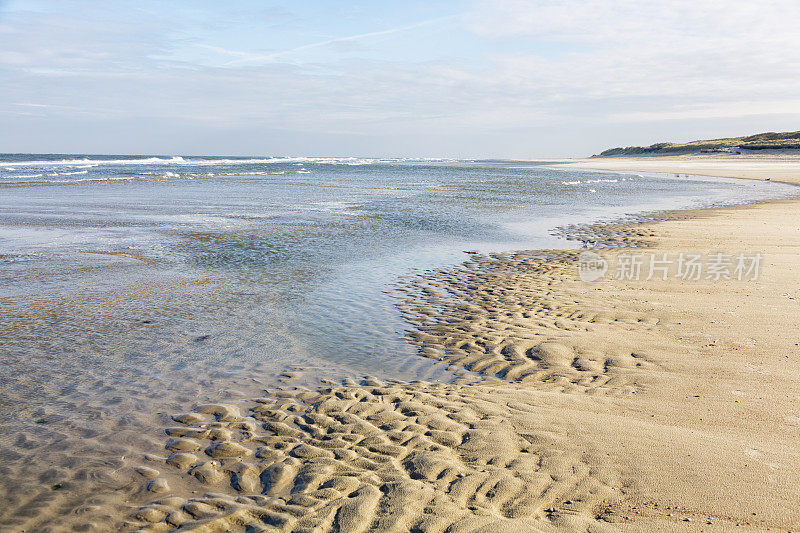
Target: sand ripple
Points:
(376, 456)
(516, 319)
(419, 456)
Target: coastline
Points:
(603, 406)
(609, 405)
(478, 267)
(780, 168)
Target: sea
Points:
(140, 284)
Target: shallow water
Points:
(133, 284)
(105, 256)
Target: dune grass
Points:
(760, 141)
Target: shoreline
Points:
(580, 386)
(585, 383)
(779, 168)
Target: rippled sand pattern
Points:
(375, 457)
(514, 318)
(419, 456)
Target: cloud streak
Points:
(246, 57)
(514, 74)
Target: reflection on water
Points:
(130, 284)
(113, 263)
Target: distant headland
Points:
(771, 141)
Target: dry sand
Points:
(614, 405)
(784, 168)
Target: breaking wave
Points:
(200, 161)
(608, 180)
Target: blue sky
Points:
(501, 78)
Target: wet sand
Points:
(613, 405)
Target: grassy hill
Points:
(761, 141)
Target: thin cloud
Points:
(713, 111)
(245, 57)
(555, 66)
(226, 51)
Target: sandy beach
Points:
(619, 404)
(449, 267)
(751, 166)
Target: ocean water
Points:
(116, 267)
(135, 286)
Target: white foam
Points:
(76, 173)
(260, 173)
(336, 206)
(87, 163)
(47, 182)
(579, 182)
(178, 160)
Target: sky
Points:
(499, 78)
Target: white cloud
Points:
(512, 65)
(713, 110)
(693, 49)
